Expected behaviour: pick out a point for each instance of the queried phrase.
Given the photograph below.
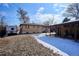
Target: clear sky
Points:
(38, 12)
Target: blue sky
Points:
(37, 12)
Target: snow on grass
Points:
(68, 46)
(50, 46)
(40, 35)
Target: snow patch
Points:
(40, 35)
(51, 47)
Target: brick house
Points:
(33, 28)
(67, 29)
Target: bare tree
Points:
(2, 26)
(72, 11)
(46, 23)
(66, 20)
(2, 20)
(23, 15)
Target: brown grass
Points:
(23, 45)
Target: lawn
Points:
(23, 45)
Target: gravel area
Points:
(23, 45)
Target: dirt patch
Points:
(23, 45)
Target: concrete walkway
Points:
(68, 46)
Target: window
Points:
(33, 26)
(37, 26)
(65, 25)
(78, 24)
(27, 26)
(12, 28)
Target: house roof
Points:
(51, 24)
(75, 21)
(34, 24)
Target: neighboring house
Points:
(33, 28)
(11, 29)
(67, 29)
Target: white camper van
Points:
(10, 30)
